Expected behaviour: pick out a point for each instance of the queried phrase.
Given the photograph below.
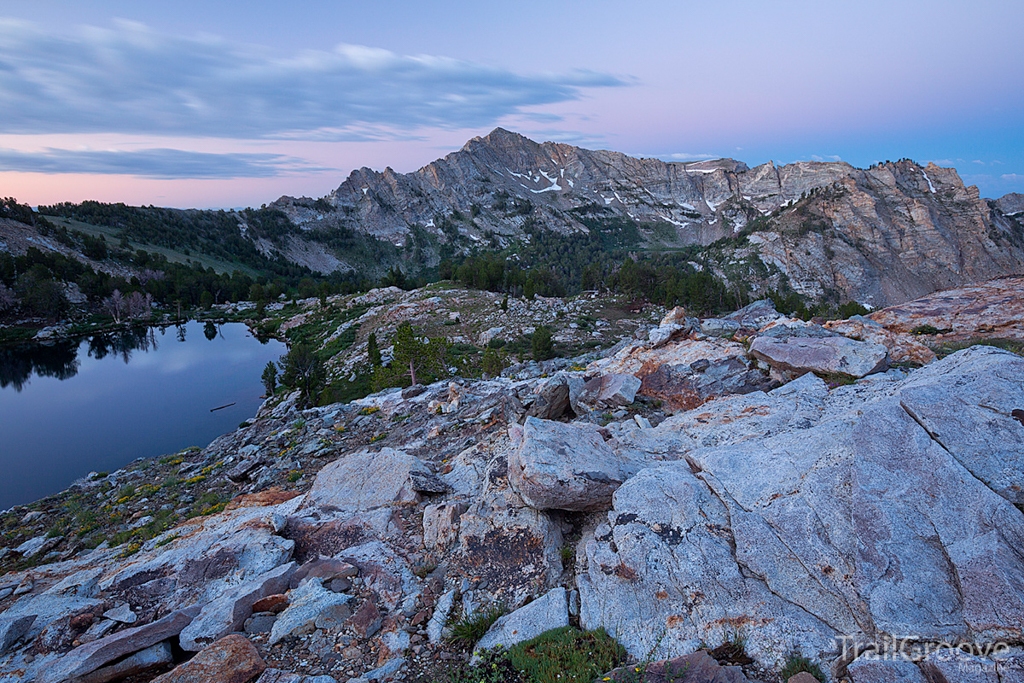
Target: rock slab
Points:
(547, 612)
(698, 667)
(565, 467)
(825, 355)
(91, 656)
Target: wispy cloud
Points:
(154, 163)
(131, 79)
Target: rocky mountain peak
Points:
(879, 236)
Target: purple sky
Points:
(217, 104)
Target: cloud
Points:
(1012, 177)
(154, 163)
(131, 79)
(827, 157)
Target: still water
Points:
(97, 404)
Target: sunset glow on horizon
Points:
(222, 105)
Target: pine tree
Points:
(372, 350)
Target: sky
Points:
(212, 104)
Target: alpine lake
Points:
(94, 404)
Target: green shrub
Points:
(493, 362)
(541, 344)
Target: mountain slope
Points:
(829, 231)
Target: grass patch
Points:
(208, 504)
(473, 627)
(494, 667)
(837, 379)
(567, 655)
(796, 662)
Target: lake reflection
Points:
(97, 404)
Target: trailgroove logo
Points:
(917, 649)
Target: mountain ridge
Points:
(900, 230)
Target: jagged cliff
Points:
(879, 236)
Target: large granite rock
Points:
(209, 557)
(756, 315)
(682, 387)
(364, 481)
(565, 467)
(856, 521)
(794, 356)
(877, 670)
(902, 346)
(952, 664)
(608, 391)
(551, 398)
(993, 309)
(698, 667)
(967, 405)
(13, 629)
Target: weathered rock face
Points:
(974, 422)
(830, 528)
(228, 613)
(682, 387)
(902, 347)
(827, 355)
(565, 467)
(309, 602)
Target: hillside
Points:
(735, 495)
